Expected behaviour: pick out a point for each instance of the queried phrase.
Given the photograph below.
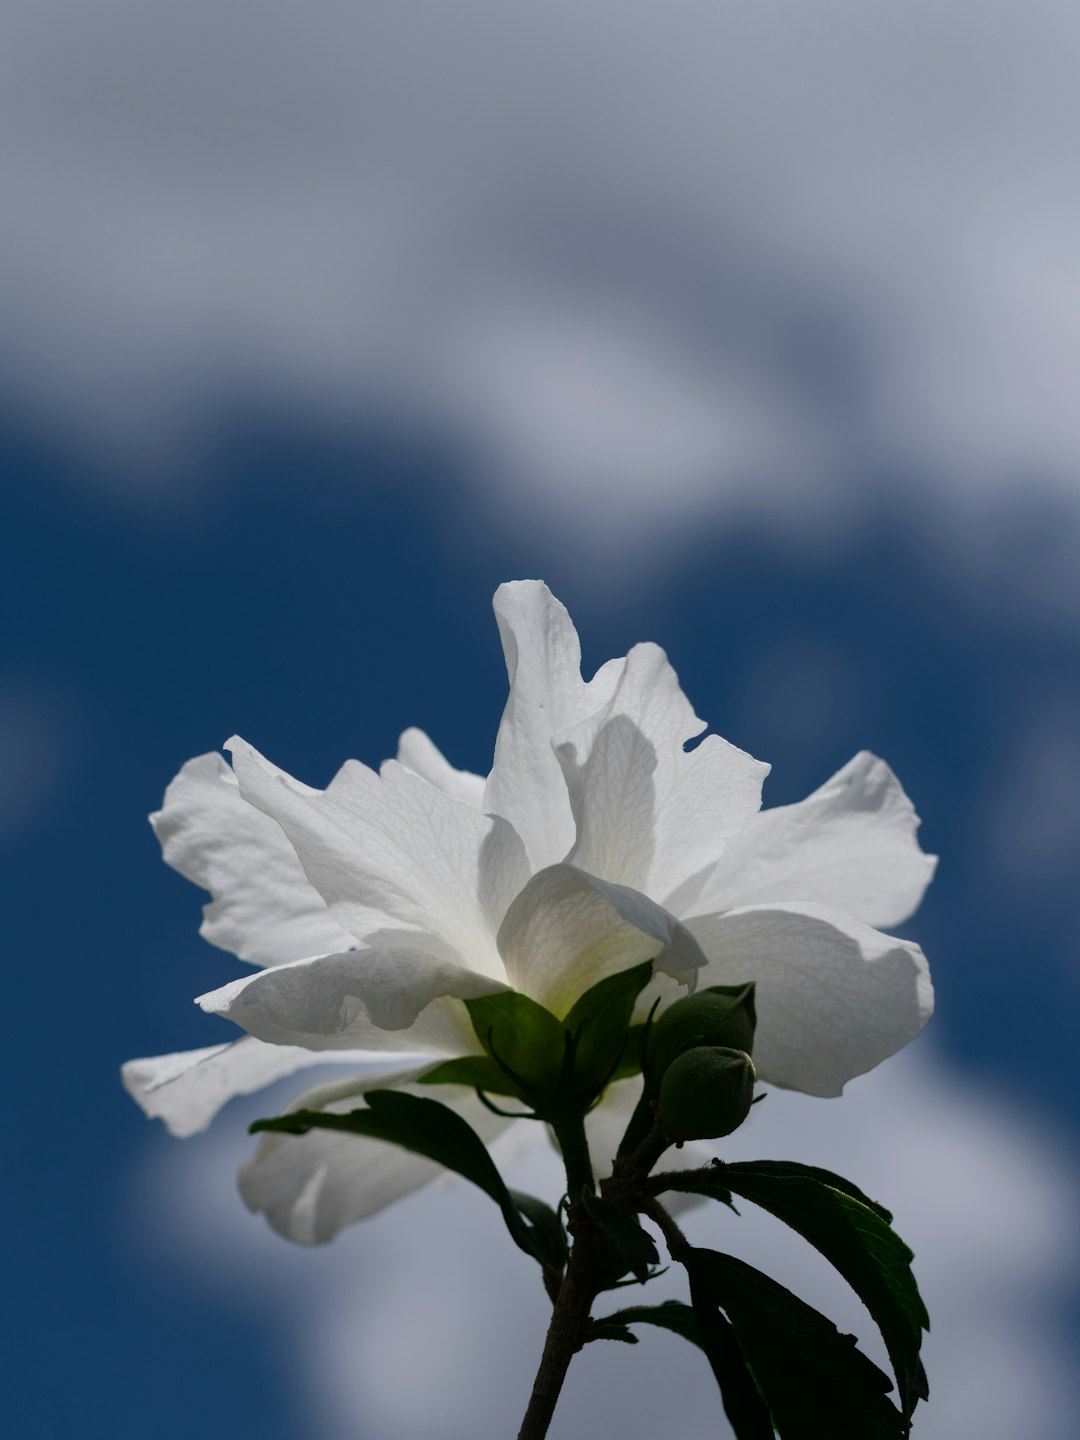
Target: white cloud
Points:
(432, 1287)
(666, 254)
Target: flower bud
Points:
(706, 1092)
(722, 1015)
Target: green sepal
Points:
(599, 1029)
(523, 1039)
(626, 1245)
(816, 1383)
(857, 1240)
(478, 1072)
(630, 1063)
(428, 1128)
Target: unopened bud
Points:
(722, 1015)
(706, 1092)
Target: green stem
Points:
(566, 1332)
(570, 1133)
(570, 1315)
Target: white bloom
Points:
(598, 841)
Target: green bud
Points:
(722, 1015)
(706, 1092)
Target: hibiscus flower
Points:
(377, 907)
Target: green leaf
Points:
(671, 1315)
(627, 1245)
(431, 1129)
(599, 1025)
(816, 1383)
(826, 1177)
(525, 1041)
(743, 1402)
(603, 1331)
(857, 1240)
(743, 1405)
(709, 1181)
(548, 1238)
(479, 1072)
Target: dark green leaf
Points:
(428, 1128)
(524, 1040)
(670, 1315)
(548, 1239)
(816, 1383)
(826, 1177)
(627, 1245)
(603, 1331)
(859, 1243)
(598, 1025)
(743, 1402)
(710, 1181)
(479, 1072)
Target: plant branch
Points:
(569, 1321)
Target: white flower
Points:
(598, 841)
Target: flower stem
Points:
(566, 1332)
(570, 1133)
(573, 1301)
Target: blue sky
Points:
(319, 611)
(308, 344)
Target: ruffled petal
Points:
(264, 909)
(567, 930)
(834, 997)
(850, 845)
(396, 859)
(547, 695)
(310, 1186)
(359, 1000)
(416, 752)
(186, 1090)
(649, 813)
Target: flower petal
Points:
(416, 752)
(834, 998)
(187, 1089)
(567, 930)
(850, 845)
(264, 909)
(310, 1186)
(362, 999)
(547, 694)
(649, 813)
(391, 853)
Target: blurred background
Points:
(755, 330)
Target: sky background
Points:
(756, 333)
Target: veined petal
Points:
(264, 909)
(310, 1186)
(391, 853)
(567, 930)
(850, 845)
(834, 997)
(648, 812)
(187, 1089)
(361, 999)
(547, 694)
(420, 755)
